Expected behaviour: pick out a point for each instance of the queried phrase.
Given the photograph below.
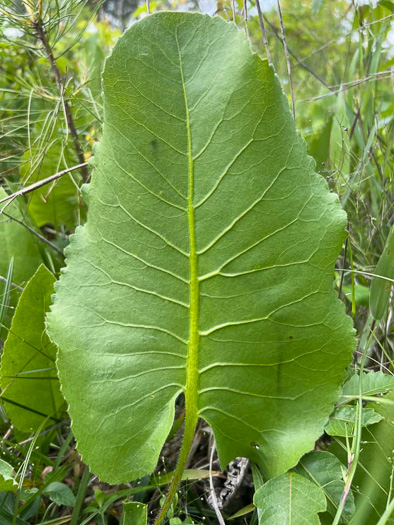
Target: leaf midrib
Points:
(191, 387)
(191, 393)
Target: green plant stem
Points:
(282, 30)
(34, 232)
(5, 297)
(355, 452)
(188, 436)
(24, 468)
(352, 278)
(80, 496)
(387, 513)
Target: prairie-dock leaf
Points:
(206, 263)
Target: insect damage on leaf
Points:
(206, 263)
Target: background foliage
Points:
(341, 57)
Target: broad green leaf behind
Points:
(17, 242)
(28, 371)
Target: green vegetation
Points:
(204, 311)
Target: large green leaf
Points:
(206, 264)
(290, 499)
(28, 374)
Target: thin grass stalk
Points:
(245, 10)
(35, 233)
(263, 32)
(37, 185)
(5, 298)
(24, 468)
(80, 496)
(66, 103)
(282, 29)
(356, 445)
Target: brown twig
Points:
(263, 32)
(4, 280)
(39, 184)
(353, 128)
(299, 61)
(38, 26)
(344, 261)
(282, 29)
(212, 488)
(34, 232)
(245, 10)
(233, 10)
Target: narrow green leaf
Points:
(28, 372)
(188, 474)
(290, 499)
(317, 5)
(7, 517)
(339, 145)
(5, 298)
(83, 486)
(243, 512)
(381, 287)
(206, 264)
(361, 294)
(134, 513)
(319, 145)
